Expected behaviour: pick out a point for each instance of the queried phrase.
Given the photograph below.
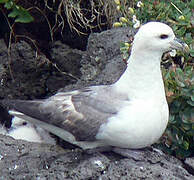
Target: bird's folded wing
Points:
(80, 113)
(63, 134)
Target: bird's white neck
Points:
(142, 78)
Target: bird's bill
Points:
(179, 45)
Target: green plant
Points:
(19, 13)
(179, 136)
(179, 82)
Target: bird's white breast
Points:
(137, 125)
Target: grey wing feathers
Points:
(78, 112)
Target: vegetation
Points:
(18, 12)
(81, 16)
(179, 136)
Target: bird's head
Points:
(157, 37)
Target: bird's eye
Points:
(24, 123)
(163, 36)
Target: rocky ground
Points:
(29, 74)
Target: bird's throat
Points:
(142, 78)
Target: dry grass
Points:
(82, 15)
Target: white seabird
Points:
(23, 130)
(131, 113)
(20, 129)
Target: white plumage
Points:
(23, 130)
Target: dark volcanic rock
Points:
(67, 59)
(103, 62)
(34, 77)
(25, 75)
(189, 164)
(23, 160)
(22, 74)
